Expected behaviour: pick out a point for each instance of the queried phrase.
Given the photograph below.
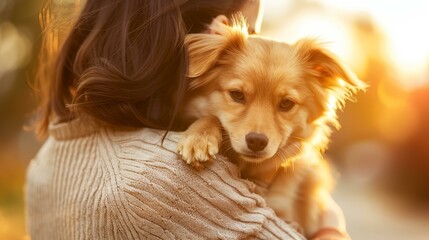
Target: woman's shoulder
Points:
(142, 155)
(150, 155)
(143, 185)
(116, 143)
(166, 197)
(142, 142)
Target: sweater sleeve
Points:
(158, 196)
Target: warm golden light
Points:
(381, 151)
(404, 24)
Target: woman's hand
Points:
(330, 234)
(332, 222)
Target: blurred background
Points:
(381, 153)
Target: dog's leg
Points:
(200, 142)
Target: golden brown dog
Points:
(268, 106)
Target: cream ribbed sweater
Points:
(94, 182)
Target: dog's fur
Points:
(289, 93)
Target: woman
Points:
(102, 172)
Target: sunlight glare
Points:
(404, 24)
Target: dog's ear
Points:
(205, 49)
(324, 65)
(331, 82)
(334, 76)
(203, 52)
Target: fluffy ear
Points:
(330, 81)
(203, 52)
(324, 65)
(331, 73)
(205, 49)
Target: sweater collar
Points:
(75, 128)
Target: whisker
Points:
(297, 138)
(288, 155)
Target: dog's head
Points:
(268, 95)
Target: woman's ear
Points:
(205, 49)
(220, 19)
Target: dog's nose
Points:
(256, 141)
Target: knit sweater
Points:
(89, 181)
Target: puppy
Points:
(268, 106)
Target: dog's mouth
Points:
(254, 157)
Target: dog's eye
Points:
(286, 105)
(237, 96)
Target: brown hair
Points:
(124, 62)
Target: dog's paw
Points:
(198, 148)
